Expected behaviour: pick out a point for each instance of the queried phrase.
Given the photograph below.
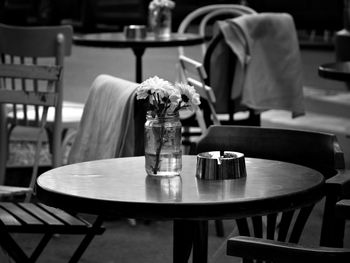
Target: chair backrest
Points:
(46, 45)
(316, 150)
(12, 73)
(208, 14)
(195, 75)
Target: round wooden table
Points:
(138, 45)
(335, 71)
(120, 187)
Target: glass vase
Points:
(160, 21)
(163, 152)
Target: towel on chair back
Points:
(107, 126)
(268, 73)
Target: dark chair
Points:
(264, 250)
(26, 217)
(259, 249)
(316, 150)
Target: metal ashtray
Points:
(135, 31)
(220, 165)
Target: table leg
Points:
(138, 52)
(190, 235)
(200, 242)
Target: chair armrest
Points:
(339, 184)
(263, 249)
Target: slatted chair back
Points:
(263, 250)
(206, 15)
(36, 46)
(48, 76)
(316, 150)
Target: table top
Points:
(336, 71)
(118, 39)
(120, 187)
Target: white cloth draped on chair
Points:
(107, 126)
(268, 74)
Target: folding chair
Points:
(44, 45)
(25, 217)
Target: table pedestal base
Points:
(190, 236)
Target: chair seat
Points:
(39, 218)
(71, 114)
(10, 191)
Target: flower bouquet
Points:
(163, 127)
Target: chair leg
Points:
(39, 249)
(86, 241)
(219, 226)
(3, 144)
(12, 248)
(332, 230)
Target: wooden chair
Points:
(206, 15)
(42, 46)
(195, 75)
(264, 250)
(251, 248)
(25, 217)
(316, 150)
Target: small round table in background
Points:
(336, 71)
(138, 45)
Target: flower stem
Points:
(159, 148)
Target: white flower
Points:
(164, 98)
(189, 96)
(155, 88)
